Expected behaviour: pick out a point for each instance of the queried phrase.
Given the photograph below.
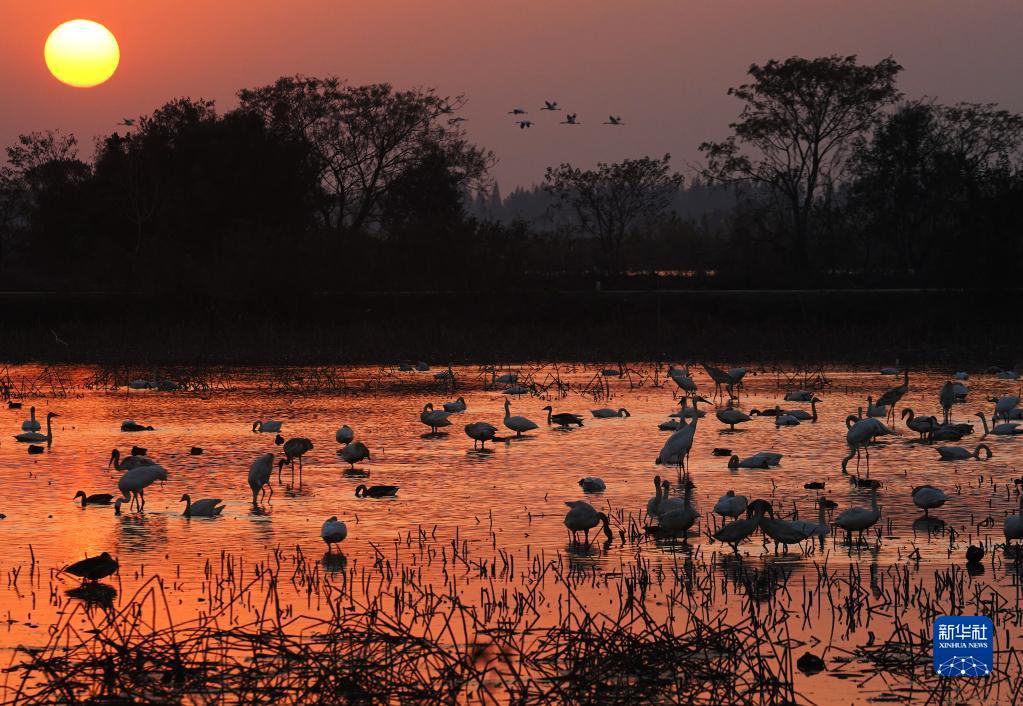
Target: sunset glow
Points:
(82, 53)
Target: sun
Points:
(82, 53)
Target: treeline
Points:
(829, 177)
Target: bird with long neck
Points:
(860, 519)
(34, 437)
(582, 517)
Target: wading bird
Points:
(134, 482)
(354, 452)
(345, 435)
(434, 418)
(333, 533)
(927, 497)
(1003, 429)
(129, 462)
(731, 505)
(581, 517)
(732, 416)
(480, 433)
(93, 568)
(859, 519)
(259, 477)
(295, 449)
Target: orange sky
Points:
(664, 65)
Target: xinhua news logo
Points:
(963, 646)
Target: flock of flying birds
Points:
(551, 106)
(670, 517)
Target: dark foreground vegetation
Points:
(829, 177)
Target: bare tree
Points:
(611, 200)
(791, 141)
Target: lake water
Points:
(507, 502)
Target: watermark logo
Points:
(963, 646)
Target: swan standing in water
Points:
(206, 507)
(1004, 406)
(653, 503)
(581, 517)
(354, 452)
(739, 531)
(890, 398)
(859, 519)
(607, 413)
(34, 437)
(295, 449)
(927, 497)
(31, 424)
(434, 418)
(333, 533)
(677, 519)
(876, 410)
(784, 532)
(519, 425)
(259, 477)
(958, 453)
(676, 449)
(480, 433)
(946, 398)
(859, 434)
(921, 425)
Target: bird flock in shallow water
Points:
(669, 518)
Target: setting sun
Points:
(82, 53)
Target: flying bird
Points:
(614, 120)
(550, 105)
(517, 111)
(524, 124)
(570, 119)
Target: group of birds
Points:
(551, 106)
(671, 517)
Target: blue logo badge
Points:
(963, 646)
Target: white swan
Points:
(676, 520)
(269, 427)
(592, 484)
(876, 410)
(519, 425)
(581, 517)
(1014, 524)
(859, 519)
(607, 413)
(676, 449)
(333, 532)
(205, 507)
(354, 452)
(732, 416)
(31, 424)
(1003, 429)
(344, 435)
(784, 419)
(1004, 406)
(921, 425)
(480, 433)
(761, 459)
(434, 418)
(456, 406)
(786, 532)
(958, 453)
(731, 505)
(34, 437)
(129, 462)
(927, 497)
(735, 532)
(653, 503)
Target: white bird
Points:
(786, 532)
(581, 517)
(946, 398)
(731, 505)
(354, 452)
(1014, 524)
(134, 482)
(344, 435)
(519, 425)
(921, 425)
(129, 462)
(668, 503)
(761, 459)
(30, 437)
(592, 484)
(732, 416)
(31, 424)
(890, 398)
(205, 507)
(859, 519)
(294, 449)
(1004, 406)
(259, 477)
(802, 415)
(456, 406)
(653, 503)
(269, 427)
(682, 379)
(814, 529)
(434, 418)
(876, 410)
(480, 433)
(333, 532)
(958, 453)
(607, 413)
(1003, 429)
(676, 519)
(798, 396)
(927, 497)
(783, 419)
(859, 435)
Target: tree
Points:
(920, 180)
(609, 202)
(362, 138)
(792, 138)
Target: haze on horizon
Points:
(663, 65)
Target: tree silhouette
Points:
(611, 200)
